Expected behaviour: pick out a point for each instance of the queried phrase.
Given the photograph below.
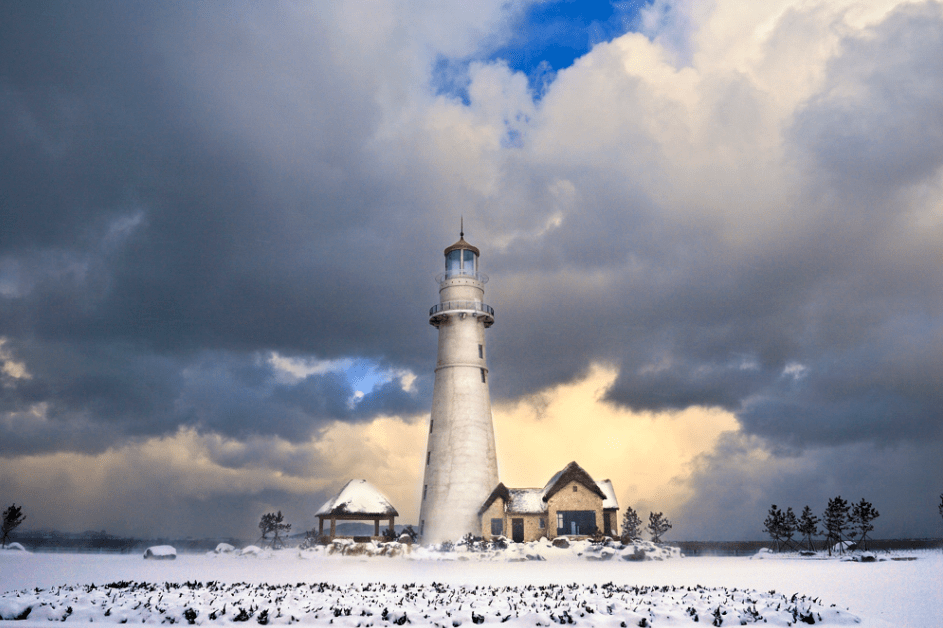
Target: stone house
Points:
(571, 504)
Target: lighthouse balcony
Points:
(476, 309)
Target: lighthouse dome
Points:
(461, 259)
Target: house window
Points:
(575, 488)
(542, 523)
(483, 380)
(481, 351)
(425, 487)
(497, 527)
(578, 522)
(428, 457)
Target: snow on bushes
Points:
(364, 605)
(501, 552)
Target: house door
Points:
(517, 530)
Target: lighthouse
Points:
(461, 467)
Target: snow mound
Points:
(435, 604)
(15, 547)
(251, 550)
(161, 552)
(224, 548)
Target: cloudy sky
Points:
(714, 232)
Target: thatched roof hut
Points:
(357, 501)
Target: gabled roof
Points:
(534, 500)
(358, 497)
(571, 473)
(610, 501)
(499, 491)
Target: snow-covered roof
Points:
(358, 497)
(610, 501)
(526, 500)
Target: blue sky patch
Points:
(547, 37)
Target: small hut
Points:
(357, 501)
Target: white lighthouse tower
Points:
(461, 465)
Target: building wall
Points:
(461, 467)
(568, 499)
(532, 529)
(495, 511)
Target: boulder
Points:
(561, 542)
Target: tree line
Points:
(842, 522)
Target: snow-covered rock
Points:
(224, 548)
(763, 552)
(161, 552)
(14, 547)
(250, 550)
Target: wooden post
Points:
(333, 527)
(320, 526)
(376, 526)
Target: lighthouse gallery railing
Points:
(476, 306)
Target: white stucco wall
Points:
(462, 464)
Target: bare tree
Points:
(862, 514)
(272, 523)
(631, 525)
(12, 518)
(658, 524)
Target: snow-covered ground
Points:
(905, 593)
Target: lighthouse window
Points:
(431, 421)
(453, 263)
(483, 380)
(468, 264)
(481, 351)
(428, 456)
(425, 487)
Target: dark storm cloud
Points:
(178, 196)
(186, 189)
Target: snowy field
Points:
(313, 588)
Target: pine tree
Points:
(273, 523)
(631, 525)
(862, 514)
(790, 525)
(808, 526)
(658, 524)
(773, 525)
(12, 518)
(836, 522)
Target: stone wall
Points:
(568, 499)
